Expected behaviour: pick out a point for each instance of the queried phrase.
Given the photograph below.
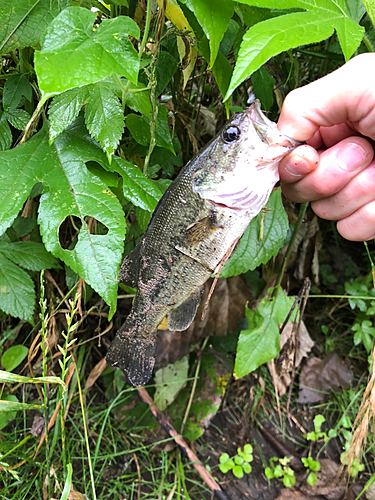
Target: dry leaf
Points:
(37, 427)
(292, 494)
(95, 373)
(281, 368)
(319, 376)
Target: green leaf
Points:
(20, 379)
(140, 190)
(139, 127)
(68, 483)
(237, 471)
(318, 422)
(104, 117)
(5, 415)
(224, 457)
(25, 20)
(19, 118)
(311, 479)
(246, 467)
(238, 460)
(5, 133)
(74, 54)
(28, 254)
(16, 87)
(69, 189)
(262, 239)
(268, 38)
(214, 17)
(269, 473)
(14, 356)
(261, 342)
(64, 109)
(10, 406)
(289, 481)
(17, 296)
(169, 381)
(263, 84)
(138, 101)
(165, 69)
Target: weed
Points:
(239, 464)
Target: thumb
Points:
(346, 95)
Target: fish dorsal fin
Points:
(128, 274)
(182, 316)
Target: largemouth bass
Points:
(193, 230)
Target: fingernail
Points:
(294, 174)
(351, 157)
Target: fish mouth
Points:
(267, 129)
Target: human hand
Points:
(335, 170)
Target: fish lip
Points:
(263, 125)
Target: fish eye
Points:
(231, 133)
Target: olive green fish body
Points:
(196, 223)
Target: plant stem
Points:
(147, 28)
(297, 226)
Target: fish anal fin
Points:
(128, 274)
(182, 316)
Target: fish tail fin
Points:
(134, 355)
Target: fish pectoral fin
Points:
(134, 356)
(128, 274)
(198, 240)
(200, 231)
(182, 316)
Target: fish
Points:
(192, 232)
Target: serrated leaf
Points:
(74, 54)
(272, 36)
(169, 381)
(14, 356)
(260, 344)
(16, 87)
(17, 295)
(5, 133)
(69, 189)
(262, 239)
(64, 109)
(19, 118)
(24, 21)
(28, 254)
(213, 16)
(138, 101)
(139, 189)
(104, 117)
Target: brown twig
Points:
(171, 431)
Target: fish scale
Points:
(194, 227)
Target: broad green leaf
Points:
(64, 109)
(5, 133)
(262, 239)
(13, 357)
(169, 381)
(370, 7)
(104, 117)
(28, 254)
(69, 189)
(138, 98)
(165, 69)
(213, 16)
(16, 87)
(18, 118)
(17, 296)
(74, 54)
(260, 344)
(24, 21)
(272, 36)
(263, 84)
(140, 190)
(7, 416)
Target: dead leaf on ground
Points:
(76, 495)
(319, 376)
(95, 373)
(292, 494)
(370, 492)
(281, 368)
(225, 309)
(37, 427)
